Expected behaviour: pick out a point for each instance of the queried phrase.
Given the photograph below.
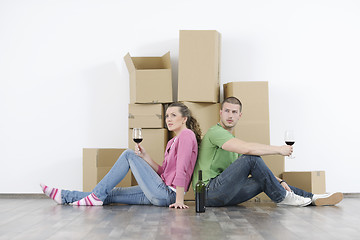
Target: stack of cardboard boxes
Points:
(150, 90)
(199, 89)
(254, 126)
(198, 79)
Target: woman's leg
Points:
(72, 196)
(127, 195)
(152, 186)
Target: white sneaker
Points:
(327, 199)
(291, 199)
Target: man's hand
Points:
(286, 150)
(285, 186)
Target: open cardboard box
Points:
(150, 79)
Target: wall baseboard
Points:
(22, 195)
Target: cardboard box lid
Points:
(147, 63)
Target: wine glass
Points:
(137, 135)
(290, 139)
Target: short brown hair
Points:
(232, 100)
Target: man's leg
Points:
(327, 199)
(234, 186)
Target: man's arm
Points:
(242, 147)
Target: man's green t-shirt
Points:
(212, 159)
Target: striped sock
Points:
(53, 193)
(90, 200)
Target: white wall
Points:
(64, 84)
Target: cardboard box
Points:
(253, 131)
(190, 195)
(198, 73)
(150, 79)
(311, 181)
(254, 97)
(154, 141)
(97, 162)
(254, 124)
(207, 114)
(146, 116)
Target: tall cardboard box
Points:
(146, 116)
(150, 79)
(97, 162)
(207, 114)
(199, 58)
(254, 124)
(154, 141)
(310, 181)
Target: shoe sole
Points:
(331, 200)
(289, 205)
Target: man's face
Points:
(229, 115)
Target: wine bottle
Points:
(200, 194)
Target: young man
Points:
(226, 163)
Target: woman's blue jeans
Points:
(151, 188)
(234, 186)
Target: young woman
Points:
(158, 185)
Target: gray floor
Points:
(43, 219)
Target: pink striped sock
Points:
(53, 193)
(90, 200)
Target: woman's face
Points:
(174, 121)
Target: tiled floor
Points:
(43, 219)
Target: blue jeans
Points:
(234, 186)
(151, 188)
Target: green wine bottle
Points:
(200, 194)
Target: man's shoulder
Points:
(216, 130)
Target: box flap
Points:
(129, 63)
(166, 60)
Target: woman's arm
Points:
(179, 203)
(140, 151)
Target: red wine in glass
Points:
(289, 139)
(137, 140)
(137, 135)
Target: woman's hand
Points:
(140, 151)
(178, 205)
